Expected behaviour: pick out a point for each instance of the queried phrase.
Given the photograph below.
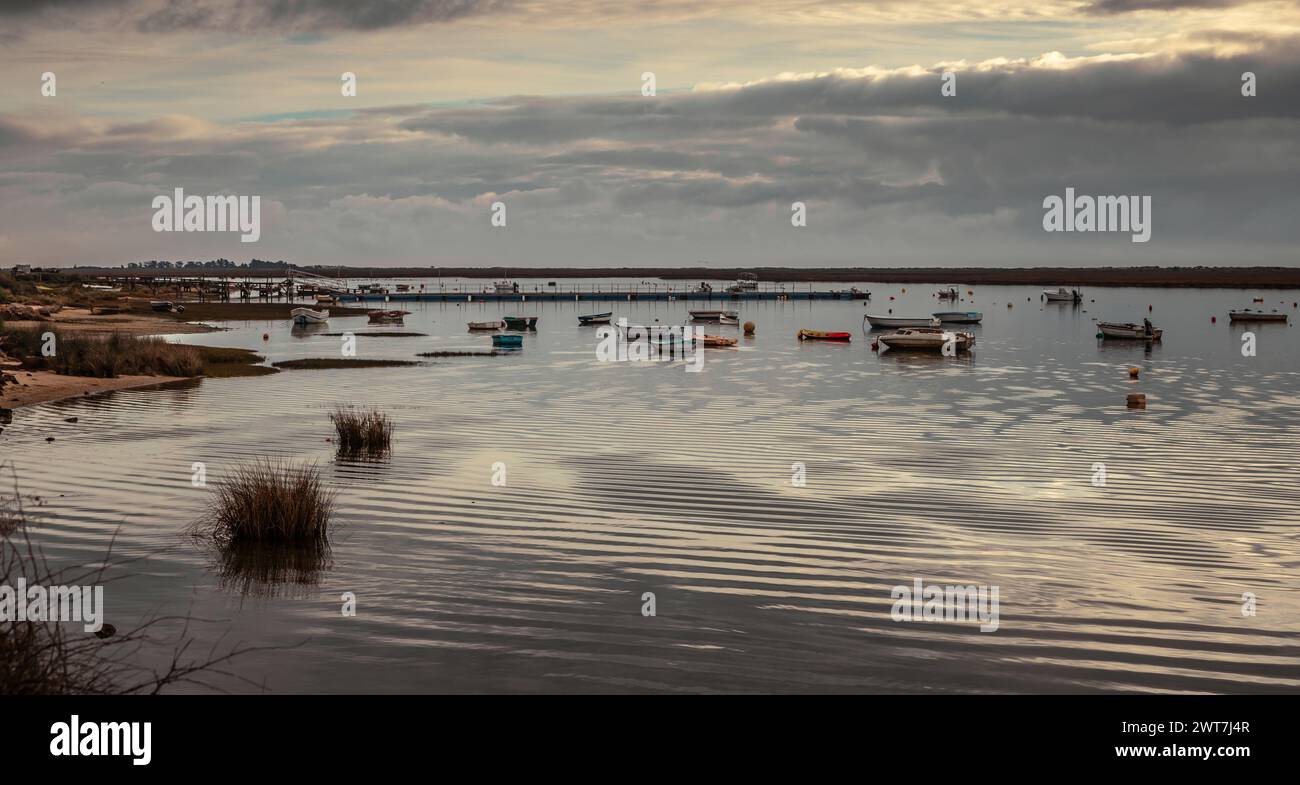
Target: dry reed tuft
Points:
(360, 431)
(269, 501)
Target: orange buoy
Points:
(266, 337)
(1133, 372)
(749, 328)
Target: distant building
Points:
(22, 269)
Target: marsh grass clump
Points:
(268, 501)
(103, 356)
(369, 432)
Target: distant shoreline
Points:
(1191, 277)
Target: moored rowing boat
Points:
(902, 321)
(1129, 330)
(521, 322)
(309, 316)
(389, 317)
(959, 317)
(821, 335)
(715, 316)
(1247, 315)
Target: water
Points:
(630, 478)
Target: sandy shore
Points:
(44, 386)
(81, 320)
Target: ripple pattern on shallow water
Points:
(623, 479)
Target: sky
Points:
(540, 106)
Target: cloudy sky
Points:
(538, 104)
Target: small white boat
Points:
(1129, 330)
(1247, 315)
(715, 316)
(928, 339)
(497, 325)
(309, 316)
(505, 287)
(959, 317)
(1063, 295)
(902, 321)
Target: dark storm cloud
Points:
(1173, 90)
(1102, 7)
(298, 16)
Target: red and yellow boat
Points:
(819, 335)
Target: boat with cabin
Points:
(1063, 295)
(745, 282)
(927, 339)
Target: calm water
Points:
(628, 478)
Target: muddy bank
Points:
(130, 322)
(44, 386)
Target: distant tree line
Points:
(163, 264)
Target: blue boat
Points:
(507, 341)
(959, 317)
(596, 318)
